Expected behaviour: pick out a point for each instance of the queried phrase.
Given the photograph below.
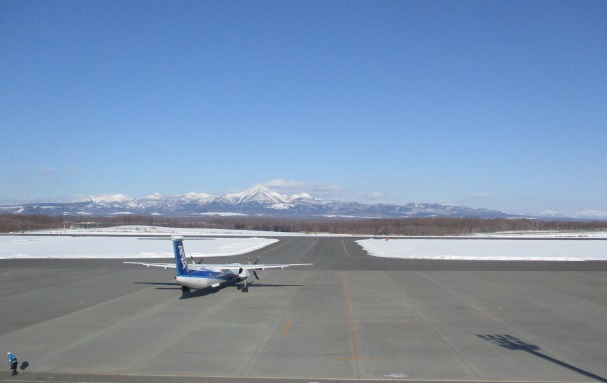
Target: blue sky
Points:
(496, 104)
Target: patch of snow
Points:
(109, 198)
(300, 197)
(154, 197)
(281, 206)
(12, 247)
(528, 246)
(257, 193)
(545, 234)
(488, 249)
(199, 196)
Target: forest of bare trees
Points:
(404, 226)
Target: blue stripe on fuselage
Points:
(210, 275)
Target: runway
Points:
(350, 317)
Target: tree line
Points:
(434, 226)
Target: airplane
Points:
(200, 276)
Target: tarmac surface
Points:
(350, 317)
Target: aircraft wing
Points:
(199, 266)
(230, 267)
(234, 266)
(163, 265)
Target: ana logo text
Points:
(184, 263)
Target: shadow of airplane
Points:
(200, 293)
(239, 286)
(513, 343)
(177, 285)
(257, 284)
(210, 290)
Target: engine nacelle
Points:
(243, 273)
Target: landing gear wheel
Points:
(185, 289)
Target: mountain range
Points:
(256, 201)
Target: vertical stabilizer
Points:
(181, 262)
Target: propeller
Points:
(195, 262)
(244, 274)
(254, 263)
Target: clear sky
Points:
(495, 104)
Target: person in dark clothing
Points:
(12, 360)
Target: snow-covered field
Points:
(121, 247)
(489, 249)
(508, 246)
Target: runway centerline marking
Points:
(286, 328)
(355, 355)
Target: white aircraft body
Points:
(200, 276)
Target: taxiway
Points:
(350, 317)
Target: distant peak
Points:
(109, 198)
(155, 196)
(257, 193)
(194, 195)
(259, 188)
(300, 197)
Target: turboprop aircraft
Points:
(200, 276)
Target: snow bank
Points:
(121, 247)
(527, 246)
(488, 250)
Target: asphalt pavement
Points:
(350, 317)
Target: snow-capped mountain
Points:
(110, 198)
(257, 194)
(256, 201)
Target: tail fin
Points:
(181, 262)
